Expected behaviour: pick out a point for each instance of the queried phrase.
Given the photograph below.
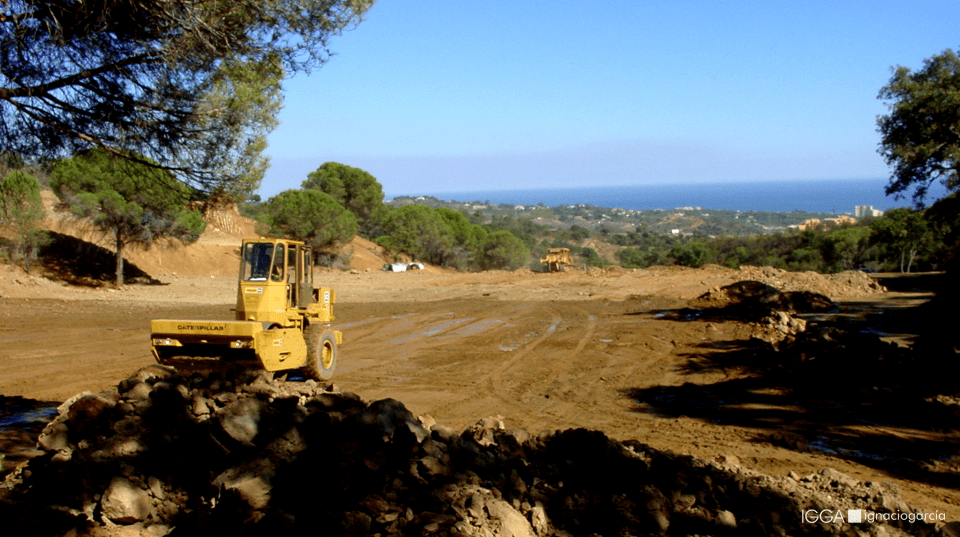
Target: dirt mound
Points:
(771, 312)
(850, 283)
(753, 298)
(365, 255)
(244, 455)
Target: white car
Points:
(402, 267)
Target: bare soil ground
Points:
(611, 350)
(624, 352)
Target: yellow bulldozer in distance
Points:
(556, 259)
(282, 321)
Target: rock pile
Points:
(863, 363)
(238, 454)
(818, 353)
(770, 310)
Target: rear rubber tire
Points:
(321, 352)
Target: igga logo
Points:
(812, 516)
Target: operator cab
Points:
(271, 269)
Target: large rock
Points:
(125, 503)
(503, 520)
(241, 419)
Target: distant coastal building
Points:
(863, 211)
(814, 223)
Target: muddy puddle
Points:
(19, 412)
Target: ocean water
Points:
(815, 196)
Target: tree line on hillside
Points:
(337, 202)
(137, 204)
(702, 222)
(903, 240)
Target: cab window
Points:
(307, 266)
(291, 265)
(257, 260)
(276, 272)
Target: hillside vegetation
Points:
(338, 205)
(902, 240)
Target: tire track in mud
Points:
(546, 394)
(586, 379)
(528, 381)
(418, 348)
(574, 389)
(538, 364)
(494, 377)
(442, 359)
(404, 335)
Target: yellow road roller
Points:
(282, 321)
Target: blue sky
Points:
(469, 95)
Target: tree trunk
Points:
(913, 255)
(119, 280)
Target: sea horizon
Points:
(837, 196)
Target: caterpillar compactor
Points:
(282, 320)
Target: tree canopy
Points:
(22, 209)
(503, 250)
(191, 84)
(310, 216)
(903, 233)
(921, 133)
(20, 197)
(419, 231)
(443, 236)
(136, 203)
(353, 188)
